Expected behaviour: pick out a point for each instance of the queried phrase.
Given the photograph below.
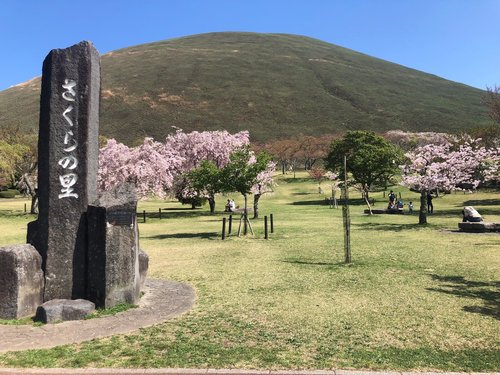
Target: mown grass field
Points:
(416, 297)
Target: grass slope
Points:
(274, 85)
(417, 297)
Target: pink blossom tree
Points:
(449, 166)
(264, 184)
(215, 146)
(150, 166)
(195, 148)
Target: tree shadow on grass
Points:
(324, 202)
(482, 202)
(172, 214)
(392, 227)
(305, 262)
(487, 292)
(457, 212)
(205, 235)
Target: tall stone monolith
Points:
(67, 167)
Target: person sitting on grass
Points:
(400, 205)
(471, 215)
(228, 206)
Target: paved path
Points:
(162, 300)
(173, 371)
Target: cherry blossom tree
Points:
(449, 166)
(334, 182)
(150, 166)
(215, 146)
(264, 184)
(196, 147)
(317, 174)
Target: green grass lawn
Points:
(416, 297)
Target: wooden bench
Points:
(481, 227)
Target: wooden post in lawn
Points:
(230, 225)
(144, 215)
(346, 218)
(159, 213)
(266, 236)
(272, 223)
(224, 228)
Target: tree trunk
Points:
(422, 216)
(256, 198)
(32, 191)
(193, 205)
(211, 203)
(367, 201)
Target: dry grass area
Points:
(416, 297)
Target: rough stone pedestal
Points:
(113, 254)
(21, 281)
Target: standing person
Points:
(392, 199)
(410, 207)
(430, 206)
(232, 205)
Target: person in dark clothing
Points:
(392, 200)
(430, 206)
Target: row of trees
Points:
(193, 167)
(449, 164)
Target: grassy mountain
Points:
(274, 85)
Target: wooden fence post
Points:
(224, 228)
(265, 228)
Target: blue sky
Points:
(455, 39)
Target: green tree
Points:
(242, 173)
(371, 160)
(207, 181)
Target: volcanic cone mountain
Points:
(274, 85)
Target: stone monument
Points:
(68, 152)
(87, 248)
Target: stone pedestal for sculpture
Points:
(113, 253)
(68, 152)
(21, 281)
